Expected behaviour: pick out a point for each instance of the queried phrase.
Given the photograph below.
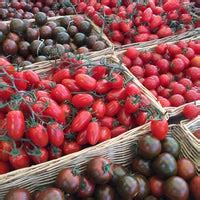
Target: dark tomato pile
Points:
(26, 42)
(170, 71)
(76, 106)
(155, 173)
(128, 22)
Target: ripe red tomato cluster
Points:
(129, 22)
(74, 107)
(171, 71)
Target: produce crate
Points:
(120, 150)
(117, 148)
(189, 36)
(95, 30)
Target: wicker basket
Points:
(172, 111)
(95, 30)
(43, 174)
(120, 150)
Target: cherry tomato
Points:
(99, 72)
(109, 122)
(112, 108)
(46, 84)
(103, 86)
(4, 167)
(159, 128)
(38, 134)
(116, 94)
(54, 153)
(55, 134)
(93, 133)
(191, 111)
(118, 131)
(125, 118)
(85, 82)
(132, 104)
(141, 118)
(32, 77)
(15, 124)
(39, 155)
(5, 148)
(82, 100)
(105, 134)
(81, 138)
(71, 85)
(70, 147)
(60, 75)
(81, 121)
(99, 108)
(6, 92)
(117, 81)
(20, 82)
(132, 53)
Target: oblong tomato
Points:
(93, 133)
(82, 100)
(99, 108)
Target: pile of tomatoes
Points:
(155, 173)
(171, 71)
(76, 106)
(125, 22)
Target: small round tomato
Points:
(39, 155)
(20, 81)
(46, 84)
(125, 118)
(15, 124)
(70, 147)
(38, 134)
(32, 77)
(132, 53)
(85, 82)
(99, 72)
(141, 118)
(195, 187)
(176, 100)
(132, 104)
(195, 62)
(19, 159)
(82, 100)
(191, 111)
(66, 109)
(177, 65)
(55, 134)
(54, 153)
(159, 128)
(109, 122)
(103, 86)
(93, 133)
(131, 89)
(117, 81)
(6, 92)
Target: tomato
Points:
(117, 81)
(6, 91)
(195, 187)
(118, 131)
(86, 188)
(81, 121)
(82, 100)
(178, 88)
(165, 31)
(19, 80)
(193, 73)
(171, 5)
(105, 134)
(46, 84)
(81, 138)
(191, 95)
(109, 122)
(195, 62)
(54, 153)
(147, 15)
(137, 71)
(9, 68)
(32, 77)
(164, 80)
(41, 93)
(39, 155)
(93, 133)
(19, 159)
(99, 108)
(60, 75)
(103, 86)
(125, 26)
(99, 72)
(131, 89)
(156, 21)
(132, 104)
(132, 53)
(60, 93)
(176, 100)
(38, 134)
(141, 118)
(70, 147)
(159, 128)
(66, 109)
(174, 49)
(85, 82)
(191, 111)
(116, 94)
(15, 124)
(142, 37)
(112, 108)
(156, 186)
(4, 167)
(125, 118)
(71, 85)
(151, 82)
(161, 48)
(55, 134)
(150, 70)
(5, 148)
(177, 65)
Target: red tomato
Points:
(141, 118)
(4, 167)
(15, 124)
(66, 109)
(71, 85)
(171, 5)
(39, 155)
(147, 15)
(112, 108)
(19, 159)
(93, 133)
(132, 104)
(159, 129)
(131, 89)
(105, 134)
(176, 100)
(32, 77)
(116, 94)
(6, 92)
(46, 84)
(60, 93)
(81, 138)
(5, 148)
(99, 109)
(132, 53)
(20, 80)
(191, 111)
(118, 131)
(165, 31)
(109, 122)
(9, 68)
(142, 37)
(156, 22)
(85, 82)
(125, 118)
(125, 26)
(163, 101)
(70, 147)
(54, 153)
(55, 134)
(137, 71)
(41, 93)
(192, 95)
(151, 82)
(117, 81)
(38, 134)
(82, 100)
(103, 86)
(81, 121)
(174, 49)
(60, 75)
(99, 72)
(177, 65)
(156, 186)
